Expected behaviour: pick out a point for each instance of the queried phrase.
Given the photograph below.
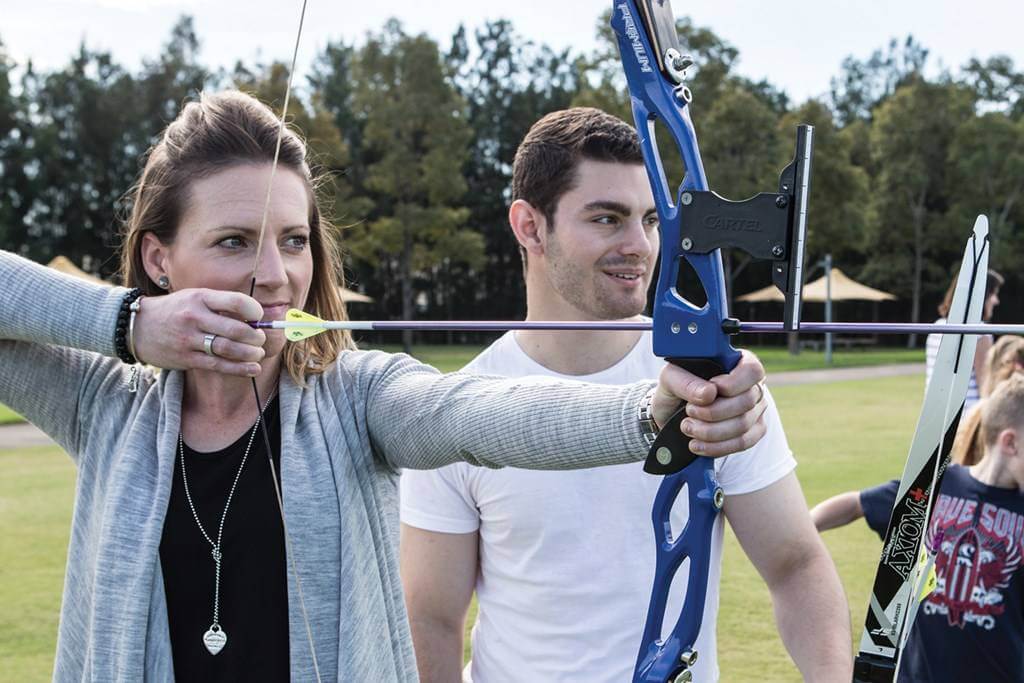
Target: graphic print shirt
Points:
(971, 627)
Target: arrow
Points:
(299, 325)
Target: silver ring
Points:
(760, 385)
(208, 344)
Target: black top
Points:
(253, 580)
(971, 627)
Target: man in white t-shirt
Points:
(562, 562)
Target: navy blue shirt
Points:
(971, 627)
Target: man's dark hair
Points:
(545, 165)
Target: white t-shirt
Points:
(931, 347)
(567, 558)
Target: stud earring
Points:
(162, 282)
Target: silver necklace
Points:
(215, 637)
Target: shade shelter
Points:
(834, 285)
(844, 288)
(350, 297)
(65, 265)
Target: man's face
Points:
(599, 253)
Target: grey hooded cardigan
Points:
(344, 438)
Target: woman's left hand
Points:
(724, 414)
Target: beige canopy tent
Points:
(350, 297)
(64, 265)
(844, 288)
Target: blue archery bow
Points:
(694, 225)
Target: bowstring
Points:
(255, 389)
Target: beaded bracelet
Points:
(121, 332)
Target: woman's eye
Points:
(298, 241)
(234, 242)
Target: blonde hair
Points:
(219, 131)
(1003, 362)
(1003, 410)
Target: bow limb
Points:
(907, 557)
(293, 566)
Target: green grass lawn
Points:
(8, 416)
(845, 435)
(36, 495)
(448, 358)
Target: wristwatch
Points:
(648, 427)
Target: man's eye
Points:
(652, 221)
(606, 220)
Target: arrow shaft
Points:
(624, 325)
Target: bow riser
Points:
(694, 224)
(677, 322)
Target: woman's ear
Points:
(154, 259)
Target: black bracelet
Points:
(121, 331)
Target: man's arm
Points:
(811, 611)
(439, 575)
(839, 510)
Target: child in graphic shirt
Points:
(971, 627)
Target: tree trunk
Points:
(917, 213)
(407, 293)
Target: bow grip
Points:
(671, 450)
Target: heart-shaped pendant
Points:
(215, 639)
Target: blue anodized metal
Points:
(682, 331)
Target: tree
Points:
(996, 83)
(508, 85)
(416, 137)
(741, 149)
(837, 213)
(986, 160)
(910, 141)
(863, 85)
(81, 142)
(86, 130)
(16, 186)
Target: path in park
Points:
(22, 435)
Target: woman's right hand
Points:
(170, 332)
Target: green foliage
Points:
(508, 84)
(864, 84)
(986, 159)
(837, 214)
(996, 83)
(80, 134)
(415, 138)
(910, 142)
(414, 143)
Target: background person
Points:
(562, 566)
(976, 389)
(971, 627)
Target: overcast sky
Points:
(796, 46)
